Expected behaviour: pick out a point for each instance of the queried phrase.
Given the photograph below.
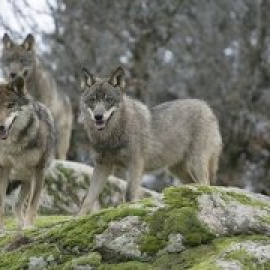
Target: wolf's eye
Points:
(91, 100)
(10, 105)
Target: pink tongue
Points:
(3, 134)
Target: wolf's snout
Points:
(99, 121)
(13, 75)
(3, 132)
(98, 117)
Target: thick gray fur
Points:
(182, 136)
(27, 141)
(21, 59)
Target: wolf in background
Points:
(21, 59)
(182, 136)
(27, 138)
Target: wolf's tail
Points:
(13, 185)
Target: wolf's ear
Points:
(87, 78)
(29, 42)
(118, 78)
(8, 43)
(18, 86)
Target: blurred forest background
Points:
(216, 50)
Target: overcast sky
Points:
(36, 14)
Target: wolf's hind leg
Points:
(198, 169)
(20, 204)
(64, 134)
(135, 174)
(99, 178)
(36, 189)
(179, 171)
(4, 173)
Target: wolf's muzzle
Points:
(99, 121)
(3, 132)
(4, 129)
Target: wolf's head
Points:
(18, 59)
(102, 98)
(12, 101)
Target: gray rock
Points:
(67, 183)
(258, 250)
(175, 244)
(229, 265)
(226, 215)
(36, 263)
(122, 238)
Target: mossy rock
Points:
(186, 229)
(67, 183)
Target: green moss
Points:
(204, 257)
(80, 233)
(69, 238)
(246, 200)
(151, 244)
(178, 197)
(93, 259)
(133, 265)
(72, 241)
(148, 202)
(189, 194)
(244, 258)
(178, 216)
(40, 222)
(19, 258)
(5, 239)
(171, 221)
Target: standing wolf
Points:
(21, 59)
(181, 135)
(27, 147)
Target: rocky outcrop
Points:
(67, 183)
(189, 227)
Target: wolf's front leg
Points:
(99, 177)
(4, 173)
(135, 173)
(37, 183)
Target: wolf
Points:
(182, 136)
(21, 59)
(27, 139)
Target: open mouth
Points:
(100, 124)
(3, 134)
(5, 131)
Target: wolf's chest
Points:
(113, 155)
